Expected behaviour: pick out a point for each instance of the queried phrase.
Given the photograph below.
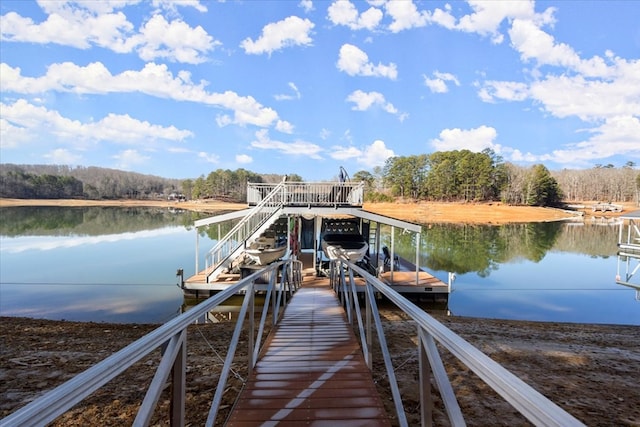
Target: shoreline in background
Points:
(419, 212)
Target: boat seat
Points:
(387, 257)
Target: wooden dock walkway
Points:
(312, 371)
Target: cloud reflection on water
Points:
(47, 243)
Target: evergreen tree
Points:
(542, 188)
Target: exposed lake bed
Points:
(588, 370)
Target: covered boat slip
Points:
(403, 275)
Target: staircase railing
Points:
(526, 400)
(260, 217)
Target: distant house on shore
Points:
(176, 197)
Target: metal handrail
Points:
(235, 239)
(172, 338)
(526, 400)
(311, 193)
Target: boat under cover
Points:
(266, 249)
(347, 246)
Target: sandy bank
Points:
(419, 212)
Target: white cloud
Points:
(154, 80)
(343, 12)
(488, 15)
(291, 31)
(365, 100)
(209, 157)
(533, 43)
(86, 24)
(590, 100)
(370, 156)
(244, 159)
(175, 41)
(123, 128)
(12, 136)
(605, 92)
(376, 154)
(62, 156)
(345, 153)
(509, 91)
(127, 159)
(76, 28)
(355, 62)
(472, 139)
(617, 136)
(307, 5)
(405, 15)
(172, 4)
(296, 148)
(284, 127)
(288, 97)
(438, 84)
(565, 96)
(33, 120)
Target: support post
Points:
(426, 400)
(179, 385)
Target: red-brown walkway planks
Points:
(312, 372)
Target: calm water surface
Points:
(119, 265)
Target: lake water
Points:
(119, 265)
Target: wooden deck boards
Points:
(312, 371)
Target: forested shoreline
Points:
(451, 176)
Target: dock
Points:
(404, 278)
(298, 213)
(312, 370)
(629, 251)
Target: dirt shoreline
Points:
(419, 212)
(588, 370)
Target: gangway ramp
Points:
(311, 371)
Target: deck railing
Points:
(284, 279)
(316, 194)
(530, 403)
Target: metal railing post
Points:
(179, 385)
(426, 400)
(250, 333)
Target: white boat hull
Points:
(266, 256)
(351, 248)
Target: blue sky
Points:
(181, 88)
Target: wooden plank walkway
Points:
(312, 371)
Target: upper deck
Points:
(309, 194)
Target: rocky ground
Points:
(589, 370)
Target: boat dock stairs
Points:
(311, 344)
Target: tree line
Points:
(459, 175)
(462, 175)
(66, 182)
(95, 183)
